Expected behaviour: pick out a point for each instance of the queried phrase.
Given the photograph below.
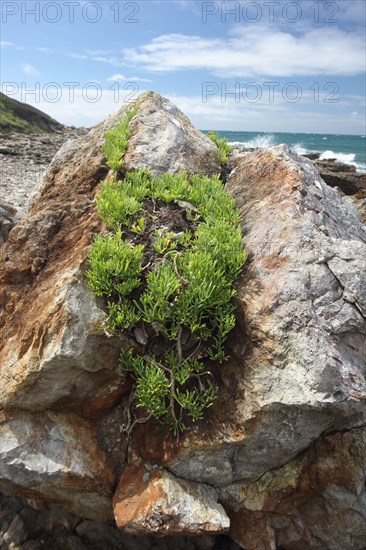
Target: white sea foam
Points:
(263, 142)
(268, 141)
(344, 158)
(360, 167)
(299, 149)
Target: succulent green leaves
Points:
(167, 269)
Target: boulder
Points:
(299, 349)
(51, 323)
(298, 354)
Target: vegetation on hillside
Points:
(20, 118)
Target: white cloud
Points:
(45, 50)
(5, 44)
(110, 60)
(256, 50)
(97, 56)
(121, 78)
(78, 55)
(29, 69)
(94, 53)
(117, 77)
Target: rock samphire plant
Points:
(166, 270)
(223, 148)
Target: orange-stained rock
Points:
(149, 500)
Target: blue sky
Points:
(296, 66)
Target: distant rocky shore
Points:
(23, 163)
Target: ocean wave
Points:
(360, 167)
(340, 157)
(268, 141)
(344, 158)
(299, 149)
(258, 142)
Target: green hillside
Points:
(20, 118)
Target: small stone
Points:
(140, 336)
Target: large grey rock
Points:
(295, 380)
(164, 140)
(298, 363)
(60, 356)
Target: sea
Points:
(348, 149)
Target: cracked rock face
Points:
(298, 355)
(316, 501)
